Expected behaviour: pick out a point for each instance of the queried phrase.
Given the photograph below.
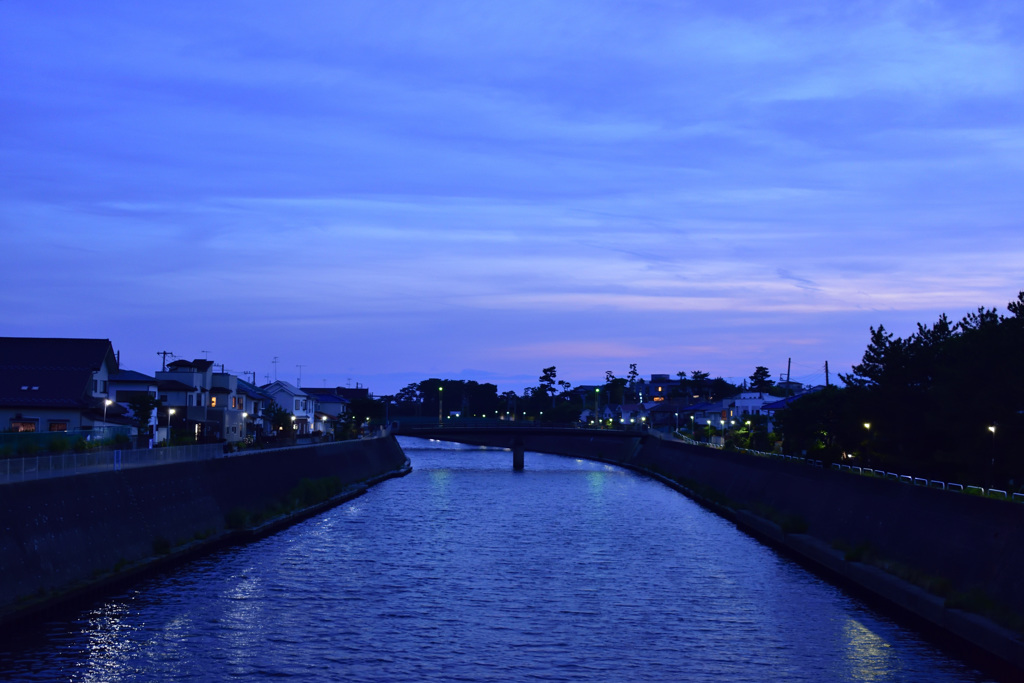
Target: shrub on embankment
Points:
(60, 535)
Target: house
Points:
(185, 388)
(226, 408)
(254, 401)
(295, 401)
(748, 403)
(670, 413)
(125, 385)
(331, 408)
(56, 384)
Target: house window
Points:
(297, 403)
(22, 426)
(191, 399)
(58, 426)
(213, 401)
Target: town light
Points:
(867, 425)
(170, 411)
(106, 403)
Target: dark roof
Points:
(131, 376)
(199, 364)
(174, 385)
(322, 397)
(49, 372)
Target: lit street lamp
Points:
(106, 403)
(440, 406)
(170, 411)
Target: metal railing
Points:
(69, 464)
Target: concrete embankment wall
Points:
(61, 535)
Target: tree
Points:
(547, 383)
(280, 420)
(761, 380)
(142, 405)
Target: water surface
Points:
(467, 571)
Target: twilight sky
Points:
(389, 191)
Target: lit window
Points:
(58, 426)
(22, 426)
(213, 401)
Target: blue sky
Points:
(385, 192)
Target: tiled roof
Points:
(48, 372)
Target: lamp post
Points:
(693, 427)
(170, 411)
(440, 406)
(245, 416)
(106, 403)
(677, 422)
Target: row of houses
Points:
(684, 412)
(77, 385)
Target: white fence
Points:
(68, 464)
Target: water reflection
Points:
(869, 657)
(109, 644)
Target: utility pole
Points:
(300, 375)
(163, 367)
(275, 367)
(826, 373)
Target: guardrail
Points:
(997, 494)
(69, 464)
(13, 470)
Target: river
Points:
(467, 571)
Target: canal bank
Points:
(68, 537)
(922, 550)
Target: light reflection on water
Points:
(465, 570)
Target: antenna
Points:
(300, 375)
(205, 353)
(275, 368)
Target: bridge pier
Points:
(518, 459)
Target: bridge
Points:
(580, 442)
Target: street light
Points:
(106, 403)
(677, 422)
(245, 416)
(170, 411)
(440, 405)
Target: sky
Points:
(379, 193)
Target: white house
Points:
(296, 401)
